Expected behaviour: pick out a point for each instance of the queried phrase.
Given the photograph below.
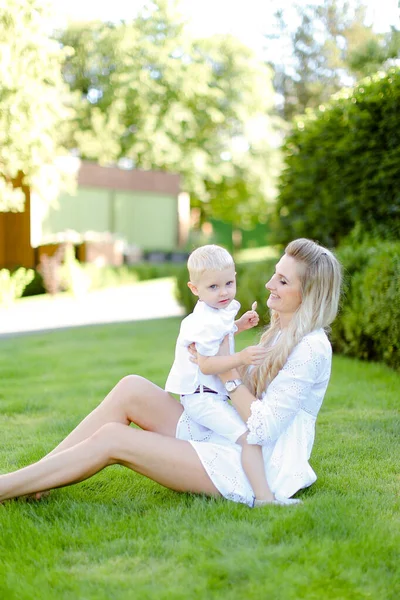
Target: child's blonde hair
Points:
(208, 258)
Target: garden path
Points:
(144, 300)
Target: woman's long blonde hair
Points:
(320, 279)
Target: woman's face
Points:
(285, 288)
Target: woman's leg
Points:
(172, 463)
(133, 400)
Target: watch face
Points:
(231, 385)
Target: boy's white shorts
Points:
(215, 412)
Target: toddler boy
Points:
(203, 395)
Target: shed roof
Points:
(93, 175)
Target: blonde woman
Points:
(279, 401)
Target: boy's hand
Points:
(253, 355)
(249, 319)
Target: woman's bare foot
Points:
(36, 497)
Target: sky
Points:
(245, 19)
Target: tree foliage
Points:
(154, 98)
(31, 102)
(342, 166)
(330, 47)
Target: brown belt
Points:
(205, 389)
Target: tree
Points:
(31, 102)
(374, 53)
(154, 98)
(329, 48)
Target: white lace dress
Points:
(282, 422)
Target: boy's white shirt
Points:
(206, 327)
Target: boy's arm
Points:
(248, 320)
(212, 365)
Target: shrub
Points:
(342, 166)
(109, 276)
(368, 325)
(36, 286)
(74, 278)
(13, 284)
(50, 270)
(75, 274)
(183, 295)
(153, 270)
(251, 280)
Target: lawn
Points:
(120, 536)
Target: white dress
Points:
(282, 422)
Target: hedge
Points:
(368, 324)
(342, 166)
(109, 276)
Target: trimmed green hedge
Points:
(368, 325)
(342, 167)
(108, 276)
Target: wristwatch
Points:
(232, 385)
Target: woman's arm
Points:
(241, 398)
(291, 389)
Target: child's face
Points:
(216, 288)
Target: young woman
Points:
(278, 400)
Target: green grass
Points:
(120, 536)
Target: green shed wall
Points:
(147, 220)
(87, 211)
(144, 219)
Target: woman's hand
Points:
(253, 355)
(193, 356)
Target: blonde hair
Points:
(208, 258)
(320, 281)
